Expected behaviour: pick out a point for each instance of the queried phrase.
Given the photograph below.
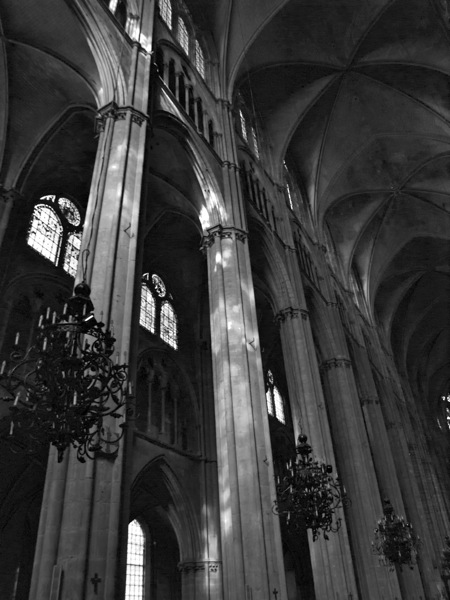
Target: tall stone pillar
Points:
(355, 462)
(410, 581)
(79, 554)
(331, 559)
(250, 537)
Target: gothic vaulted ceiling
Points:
(355, 93)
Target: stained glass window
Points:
(275, 402)
(255, 142)
(157, 314)
(165, 7)
(70, 211)
(199, 59)
(169, 325)
(72, 253)
(183, 36)
(243, 125)
(147, 314)
(55, 231)
(159, 286)
(135, 581)
(45, 232)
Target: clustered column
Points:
(331, 559)
(250, 537)
(354, 459)
(78, 553)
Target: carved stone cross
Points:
(95, 581)
(275, 593)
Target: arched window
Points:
(135, 581)
(55, 231)
(157, 314)
(199, 59)
(165, 8)
(168, 324)
(147, 314)
(119, 10)
(45, 232)
(182, 35)
(275, 402)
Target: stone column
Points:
(425, 521)
(355, 462)
(81, 543)
(331, 559)
(200, 579)
(410, 581)
(250, 537)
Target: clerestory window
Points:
(157, 314)
(55, 231)
(165, 8)
(135, 579)
(182, 35)
(199, 59)
(275, 402)
(255, 142)
(243, 123)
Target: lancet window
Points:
(135, 579)
(275, 402)
(243, 123)
(183, 35)
(255, 142)
(157, 313)
(55, 231)
(199, 59)
(165, 8)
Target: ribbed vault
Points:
(356, 95)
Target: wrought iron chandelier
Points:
(64, 386)
(308, 495)
(395, 541)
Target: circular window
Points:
(70, 211)
(159, 286)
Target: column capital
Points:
(212, 566)
(369, 400)
(10, 195)
(220, 232)
(230, 165)
(118, 113)
(291, 313)
(336, 363)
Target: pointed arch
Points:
(168, 493)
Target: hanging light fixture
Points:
(62, 387)
(308, 495)
(395, 541)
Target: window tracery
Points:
(55, 231)
(165, 408)
(135, 578)
(157, 314)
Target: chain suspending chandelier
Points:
(308, 495)
(65, 385)
(395, 541)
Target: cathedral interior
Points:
(257, 192)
